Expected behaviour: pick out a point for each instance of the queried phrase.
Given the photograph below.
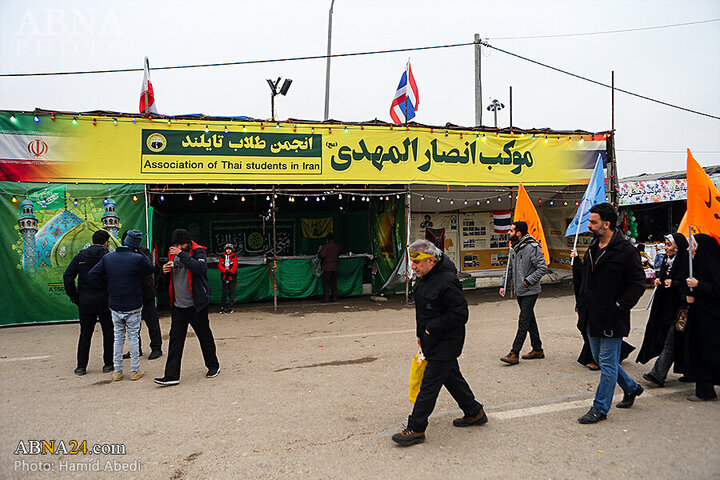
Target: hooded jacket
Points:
(86, 294)
(608, 284)
(526, 267)
(124, 270)
(196, 263)
(441, 309)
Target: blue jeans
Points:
(129, 321)
(606, 352)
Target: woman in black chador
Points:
(660, 334)
(702, 332)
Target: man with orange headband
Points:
(441, 313)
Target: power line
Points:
(607, 32)
(486, 44)
(356, 54)
(242, 62)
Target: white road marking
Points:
(540, 409)
(21, 359)
(366, 334)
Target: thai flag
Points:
(147, 90)
(502, 221)
(406, 100)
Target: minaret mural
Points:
(54, 243)
(110, 219)
(28, 229)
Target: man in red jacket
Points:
(228, 276)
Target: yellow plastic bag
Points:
(417, 370)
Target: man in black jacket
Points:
(609, 281)
(441, 313)
(189, 297)
(92, 302)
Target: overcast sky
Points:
(679, 65)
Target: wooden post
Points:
(274, 250)
(407, 244)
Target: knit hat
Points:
(133, 239)
(181, 236)
(100, 237)
(230, 246)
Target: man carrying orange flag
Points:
(526, 266)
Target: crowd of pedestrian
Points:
(117, 289)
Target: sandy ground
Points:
(315, 391)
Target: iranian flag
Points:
(147, 95)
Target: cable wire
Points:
(486, 44)
(607, 32)
(242, 62)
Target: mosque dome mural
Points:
(63, 236)
(74, 240)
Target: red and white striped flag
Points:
(146, 92)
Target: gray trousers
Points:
(666, 357)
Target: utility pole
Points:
(327, 64)
(478, 82)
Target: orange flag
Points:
(525, 212)
(683, 227)
(703, 200)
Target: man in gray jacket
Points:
(526, 266)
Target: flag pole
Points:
(145, 87)
(651, 298)
(690, 257)
(577, 231)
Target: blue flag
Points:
(594, 194)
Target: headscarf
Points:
(706, 264)
(681, 246)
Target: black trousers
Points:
(152, 320)
(227, 300)
(439, 373)
(329, 280)
(181, 317)
(527, 324)
(88, 317)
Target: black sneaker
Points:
(80, 371)
(221, 311)
(407, 437)
(213, 372)
(465, 421)
(629, 398)
(592, 416)
(107, 368)
(155, 354)
(232, 310)
(166, 381)
(127, 355)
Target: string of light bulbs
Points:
(236, 126)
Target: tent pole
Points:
(274, 250)
(407, 244)
(147, 220)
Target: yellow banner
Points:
(317, 227)
(104, 149)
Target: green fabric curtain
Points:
(57, 224)
(295, 280)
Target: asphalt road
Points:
(316, 391)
